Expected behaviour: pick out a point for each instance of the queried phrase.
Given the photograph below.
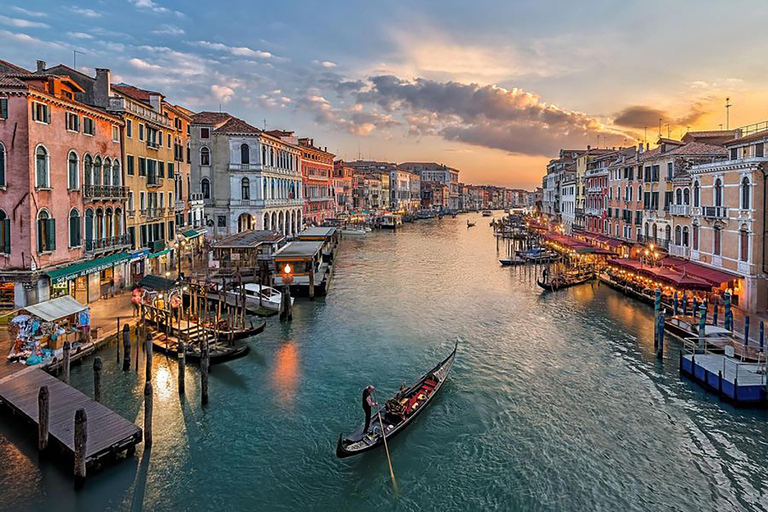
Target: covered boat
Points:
(398, 412)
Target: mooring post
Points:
(660, 329)
(43, 409)
(180, 348)
(97, 365)
(117, 335)
(746, 331)
(65, 375)
(148, 415)
(204, 372)
(148, 351)
(138, 344)
(762, 334)
(312, 280)
(81, 441)
(126, 347)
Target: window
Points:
(87, 170)
(142, 166)
(115, 134)
(669, 170)
(41, 112)
(73, 122)
(73, 171)
(170, 230)
(46, 232)
(695, 237)
(685, 236)
(3, 111)
(743, 244)
(170, 199)
(116, 177)
(2, 165)
(74, 229)
(696, 194)
(128, 128)
(205, 187)
(205, 133)
(5, 233)
(142, 200)
(745, 193)
(129, 161)
(686, 196)
(718, 193)
(717, 240)
(89, 127)
(161, 169)
(245, 186)
(169, 141)
(130, 202)
(759, 149)
(245, 154)
(41, 166)
(734, 153)
(170, 170)
(141, 132)
(205, 156)
(679, 196)
(678, 235)
(222, 221)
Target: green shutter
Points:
(51, 234)
(5, 236)
(40, 228)
(170, 170)
(4, 108)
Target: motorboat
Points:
(511, 262)
(391, 221)
(487, 213)
(350, 231)
(257, 296)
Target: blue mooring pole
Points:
(746, 331)
(695, 306)
(728, 314)
(674, 305)
(714, 314)
(685, 303)
(660, 329)
(762, 334)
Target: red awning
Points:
(711, 275)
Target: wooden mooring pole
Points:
(148, 351)
(65, 374)
(181, 354)
(148, 415)
(43, 413)
(81, 441)
(204, 371)
(126, 347)
(97, 366)
(117, 347)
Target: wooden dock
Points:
(108, 432)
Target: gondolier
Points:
(368, 404)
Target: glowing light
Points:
(287, 269)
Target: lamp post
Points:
(285, 307)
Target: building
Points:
(431, 171)
(558, 170)
(596, 195)
(379, 173)
(435, 194)
(568, 204)
(62, 195)
(248, 179)
(414, 202)
(343, 186)
(625, 198)
(400, 190)
(317, 174)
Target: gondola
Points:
(508, 262)
(556, 284)
(398, 412)
(217, 353)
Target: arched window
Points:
(107, 172)
(695, 237)
(686, 196)
(117, 178)
(685, 236)
(205, 187)
(696, 194)
(678, 235)
(74, 228)
(99, 224)
(745, 194)
(73, 171)
(717, 240)
(41, 165)
(119, 228)
(88, 229)
(2, 165)
(108, 223)
(245, 188)
(5, 233)
(46, 232)
(639, 193)
(679, 196)
(88, 170)
(668, 232)
(205, 156)
(97, 171)
(245, 154)
(655, 231)
(743, 244)
(718, 193)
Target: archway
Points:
(244, 222)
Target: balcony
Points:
(680, 251)
(154, 181)
(105, 192)
(595, 189)
(594, 212)
(153, 145)
(715, 212)
(683, 210)
(179, 206)
(244, 167)
(658, 242)
(105, 244)
(744, 267)
(153, 213)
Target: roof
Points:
(235, 125)
(317, 231)
(210, 117)
(714, 276)
(698, 148)
(134, 92)
(250, 238)
(13, 67)
(298, 250)
(56, 309)
(60, 275)
(10, 81)
(749, 138)
(158, 283)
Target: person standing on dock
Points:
(368, 404)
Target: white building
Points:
(431, 171)
(248, 179)
(568, 191)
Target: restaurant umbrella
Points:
(728, 313)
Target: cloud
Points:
(222, 93)
(240, 51)
(15, 22)
(88, 13)
(27, 39)
(641, 116)
(325, 63)
(26, 12)
(149, 5)
(170, 30)
(79, 35)
(142, 64)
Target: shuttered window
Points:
(3, 108)
(5, 233)
(46, 233)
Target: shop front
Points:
(88, 281)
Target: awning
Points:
(193, 233)
(61, 275)
(713, 276)
(156, 283)
(56, 309)
(159, 253)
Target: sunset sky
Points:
(493, 88)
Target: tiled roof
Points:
(10, 81)
(134, 92)
(698, 148)
(749, 138)
(210, 117)
(14, 67)
(235, 125)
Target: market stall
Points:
(38, 332)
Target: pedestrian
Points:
(136, 300)
(111, 286)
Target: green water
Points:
(556, 402)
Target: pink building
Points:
(61, 193)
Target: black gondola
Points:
(217, 353)
(398, 412)
(558, 284)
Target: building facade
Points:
(317, 173)
(343, 187)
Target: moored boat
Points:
(509, 262)
(563, 281)
(487, 213)
(398, 412)
(354, 232)
(257, 296)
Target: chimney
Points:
(40, 66)
(647, 146)
(588, 147)
(101, 88)
(154, 100)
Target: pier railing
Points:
(739, 358)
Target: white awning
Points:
(56, 309)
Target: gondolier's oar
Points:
(386, 448)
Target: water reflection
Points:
(285, 377)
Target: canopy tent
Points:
(56, 309)
(64, 274)
(663, 274)
(713, 276)
(156, 283)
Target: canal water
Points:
(556, 402)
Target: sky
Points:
(492, 88)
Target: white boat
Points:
(270, 298)
(391, 221)
(354, 231)
(487, 213)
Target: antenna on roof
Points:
(668, 132)
(74, 58)
(659, 127)
(265, 125)
(728, 106)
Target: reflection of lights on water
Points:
(286, 375)
(162, 381)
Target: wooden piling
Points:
(204, 372)
(148, 350)
(312, 281)
(126, 347)
(65, 374)
(81, 440)
(148, 415)
(138, 344)
(43, 414)
(117, 345)
(97, 366)
(181, 354)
